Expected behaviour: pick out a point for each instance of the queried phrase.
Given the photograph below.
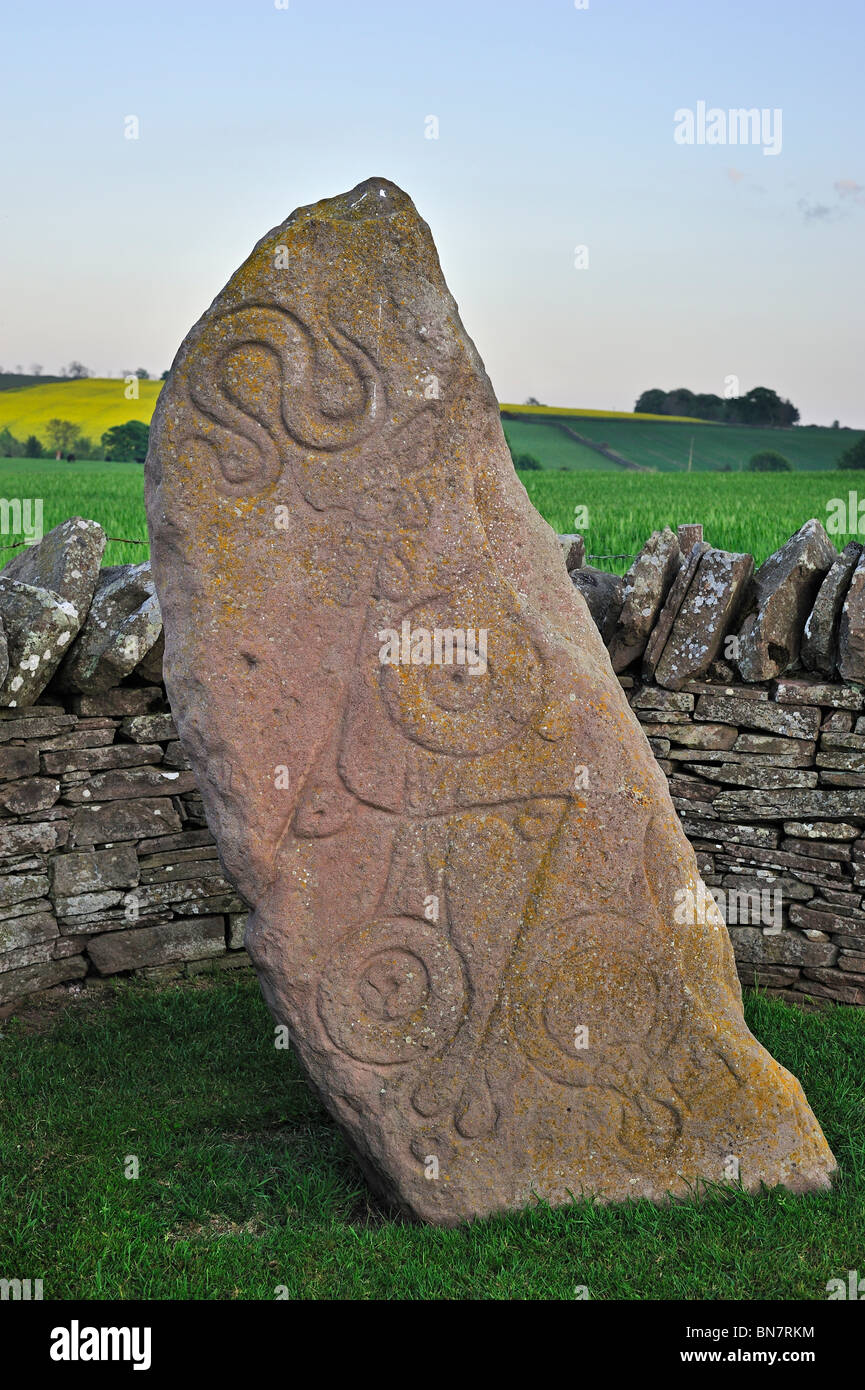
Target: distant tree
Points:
(126, 443)
(836, 425)
(164, 376)
(527, 461)
(61, 436)
(10, 447)
(33, 448)
(679, 402)
(142, 373)
(709, 407)
(36, 369)
(83, 447)
(854, 457)
(77, 370)
(532, 400)
(651, 402)
(769, 461)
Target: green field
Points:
(664, 444)
(245, 1185)
(752, 511)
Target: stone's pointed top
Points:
(372, 198)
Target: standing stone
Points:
(646, 585)
(785, 587)
(820, 637)
(710, 606)
(466, 874)
(851, 630)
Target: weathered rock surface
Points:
(820, 637)
(65, 562)
(465, 881)
(45, 592)
(644, 590)
(851, 630)
(603, 594)
(785, 588)
(673, 602)
(39, 628)
(122, 626)
(710, 606)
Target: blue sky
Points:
(555, 130)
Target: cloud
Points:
(849, 188)
(816, 212)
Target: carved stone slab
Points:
(469, 884)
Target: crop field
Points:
(94, 404)
(110, 493)
(751, 511)
(664, 444)
(756, 512)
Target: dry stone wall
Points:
(107, 865)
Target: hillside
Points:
(558, 437)
(662, 442)
(93, 403)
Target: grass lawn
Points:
(245, 1184)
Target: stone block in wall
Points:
(18, 760)
(800, 692)
(821, 830)
(236, 927)
(711, 737)
(173, 868)
(29, 795)
(752, 773)
(783, 594)
(602, 592)
(710, 607)
(675, 598)
(185, 839)
(41, 836)
(31, 930)
(649, 697)
(143, 947)
(148, 728)
(137, 819)
(101, 759)
(18, 888)
(32, 978)
(715, 835)
(90, 870)
(820, 635)
(851, 629)
(121, 627)
(791, 721)
(644, 589)
(122, 783)
(39, 729)
(123, 700)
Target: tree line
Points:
(125, 443)
(759, 406)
